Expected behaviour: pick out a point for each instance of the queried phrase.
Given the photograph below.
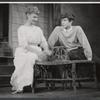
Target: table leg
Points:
(34, 83)
(62, 85)
(96, 81)
(73, 76)
(53, 85)
(79, 84)
(63, 76)
(47, 85)
(66, 77)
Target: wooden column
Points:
(56, 14)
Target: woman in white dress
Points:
(30, 40)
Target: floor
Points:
(88, 90)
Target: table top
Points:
(62, 62)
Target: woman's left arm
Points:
(44, 45)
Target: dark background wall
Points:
(88, 17)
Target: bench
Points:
(74, 70)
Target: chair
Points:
(74, 70)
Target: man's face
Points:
(65, 23)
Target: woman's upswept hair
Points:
(32, 9)
(70, 16)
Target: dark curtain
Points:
(56, 14)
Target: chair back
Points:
(59, 53)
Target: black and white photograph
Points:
(50, 50)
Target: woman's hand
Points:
(48, 52)
(42, 56)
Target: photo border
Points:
(51, 1)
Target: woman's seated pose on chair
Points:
(32, 46)
(72, 37)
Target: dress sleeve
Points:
(43, 43)
(53, 38)
(84, 42)
(22, 38)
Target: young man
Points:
(72, 37)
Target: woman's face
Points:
(66, 23)
(33, 18)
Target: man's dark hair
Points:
(70, 16)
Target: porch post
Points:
(10, 26)
(56, 14)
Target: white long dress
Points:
(24, 60)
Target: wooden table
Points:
(76, 68)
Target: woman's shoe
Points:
(17, 92)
